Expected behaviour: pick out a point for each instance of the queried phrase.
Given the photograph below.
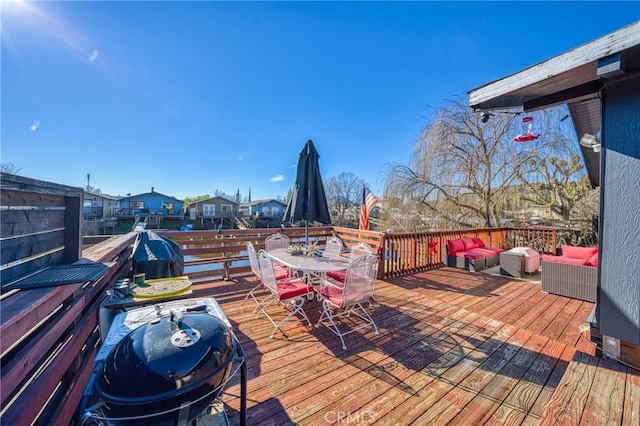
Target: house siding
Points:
(619, 296)
(152, 203)
(213, 208)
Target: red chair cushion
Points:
(593, 260)
(468, 243)
(574, 252)
(333, 294)
(338, 275)
(293, 288)
(566, 260)
(477, 243)
(454, 246)
(281, 274)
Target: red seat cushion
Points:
(338, 275)
(334, 294)
(489, 251)
(565, 260)
(472, 254)
(293, 288)
(281, 274)
(593, 260)
(574, 252)
(477, 243)
(454, 246)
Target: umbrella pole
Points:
(306, 233)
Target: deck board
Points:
(454, 348)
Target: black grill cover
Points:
(157, 256)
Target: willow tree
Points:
(464, 165)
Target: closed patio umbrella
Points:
(308, 201)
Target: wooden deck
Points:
(454, 348)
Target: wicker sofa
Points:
(471, 254)
(573, 274)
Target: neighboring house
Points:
(215, 207)
(97, 206)
(149, 203)
(263, 208)
(600, 83)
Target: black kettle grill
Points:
(167, 372)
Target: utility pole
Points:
(88, 179)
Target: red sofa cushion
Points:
(468, 243)
(454, 246)
(563, 259)
(574, 252)
(489, 251)
(472, 254)
(477, 243)
(593, 260)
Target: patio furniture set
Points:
(572, 274)
(343, 284)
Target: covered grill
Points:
(167, 371)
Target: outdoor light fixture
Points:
(484, 117)
(591, 141)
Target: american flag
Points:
(368, 201)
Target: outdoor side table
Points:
(519, 261)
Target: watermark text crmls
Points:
(347, 416)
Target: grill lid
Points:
(171, 355)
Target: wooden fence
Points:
(49, 334)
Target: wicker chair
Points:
(575, 281)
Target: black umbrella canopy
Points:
(308, 200)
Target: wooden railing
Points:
(223, 253)
(405, 253)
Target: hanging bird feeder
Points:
(528, 136)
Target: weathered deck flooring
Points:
(454, 348)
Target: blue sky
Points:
(190, 97)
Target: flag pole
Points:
(394, 218)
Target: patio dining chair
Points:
(255, 270)
(342, 301)
(289, 292)
(276, 241)
(358, 250)
(333, 246)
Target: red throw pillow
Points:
(468, 243)
(477, 243)
(593, 260)
(573, 252)
(454, 245)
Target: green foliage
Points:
(189, 200)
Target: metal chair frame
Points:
(276, 241)
(333, 246)
(357, 289)
(292, 302)
(359, 250)
(255, 270)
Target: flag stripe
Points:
(368, 202)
